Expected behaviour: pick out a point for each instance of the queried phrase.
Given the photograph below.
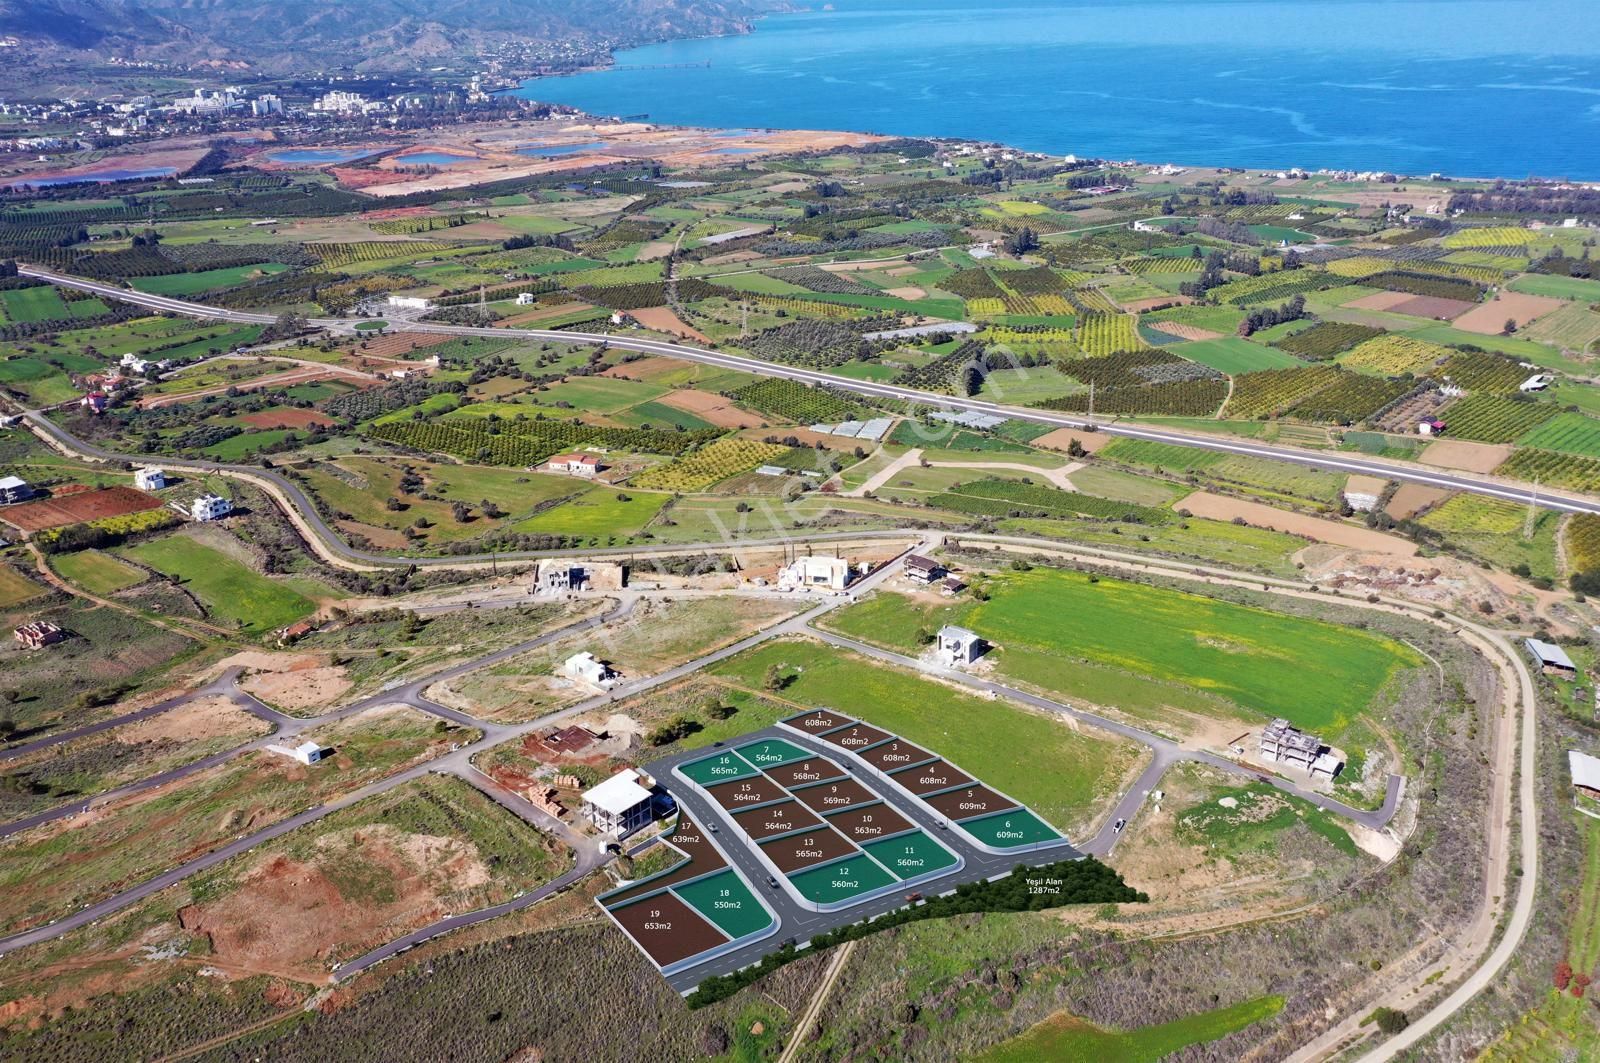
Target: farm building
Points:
(149, 479)
(305, 752)
(959, 646)
(1283, 744)
(951, 586)
(9, 420)
(1537, 382)
(1430, 426)
(295, 632)
(923, 570)
(14, 489)
(590, 669)
(620, 805)
(822, 573)
(1585, 782)
(576, 464)
(37, 634)
(210, 507)
(1550, 658)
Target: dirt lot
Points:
(262, 924)
(1062, 438)
(292, 681)
(1185, 332)
(662, 319)
(1155, 302)
(1220, 507)
(717, 409)
(906, 293)
(75, 507)
(1468, 457)
(287, 419)
(1413, 305)
(1487, 319)
(1411, 499)
(398, 344)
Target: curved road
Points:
(1337, 462)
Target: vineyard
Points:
(425, 223)
(1029, 305)
(1583, 542)
(1392, 354)
(1273, 391)
(1492, 419)
(713, 462)
(1092, 301)
(1473, 514)
(1011, 498)
(1142, 266)
(1190, 398)
(1482, 371)
(794, 403)
(527, 443)
(1100, 334)
(1326, 339)
(1570, 433)
(947, 373)
(1552, 469)
(1041, 342)
(1422, 284)
(337, 256)
(1350, 398)
(1491, 238)
(1271, 287)
(1361, 267)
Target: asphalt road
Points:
(1339, 462)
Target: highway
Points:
(1335, 461)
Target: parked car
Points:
(1116, 828)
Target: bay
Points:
(1465, 87)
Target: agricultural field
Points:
(1391, 355)
(1101, 334)
(714, 462)
(1232, 355)
(1130, 647)
(1085, 767)
(598, 513)
(1569, 433)
(1068, 1039)
(233, 593)
(1492, 419)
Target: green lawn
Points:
(43, 303)
(247, 443)
(1065, 1038)
(1570, 433)
(1061, 773)
(1023, 387)
(231, 592)
(601, 511)
(16, 588)
(1557, 287)
(97, 572)
(181, 284)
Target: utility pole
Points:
(1533, 511)
(1091, 401)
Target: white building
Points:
(526, 299)
(1537, 382)
(590, 669)
(959, 646)
(210, 507)
(409, 302)
(558, 576)
(149, 479)
(305, 752)
(620, 805)
(14, 489)
(266, 104)
(819, 573)
(575, 464)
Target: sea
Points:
(1470, 88)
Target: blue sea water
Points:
(1467, 87)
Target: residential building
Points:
(556, 576)
(590, 669)
(586, 465)
(818, 573)
(924, 570)
(295, 632)
(1283, 744)
(1551, 659)
(210, 507)
(37, 634)
(305, 752)
(96, 403)
(266, 104)
(958, 646)
(149, 479)
(951, 586)
(526, 299)
(622, 804)
(14, 489)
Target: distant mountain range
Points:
(296, 35)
